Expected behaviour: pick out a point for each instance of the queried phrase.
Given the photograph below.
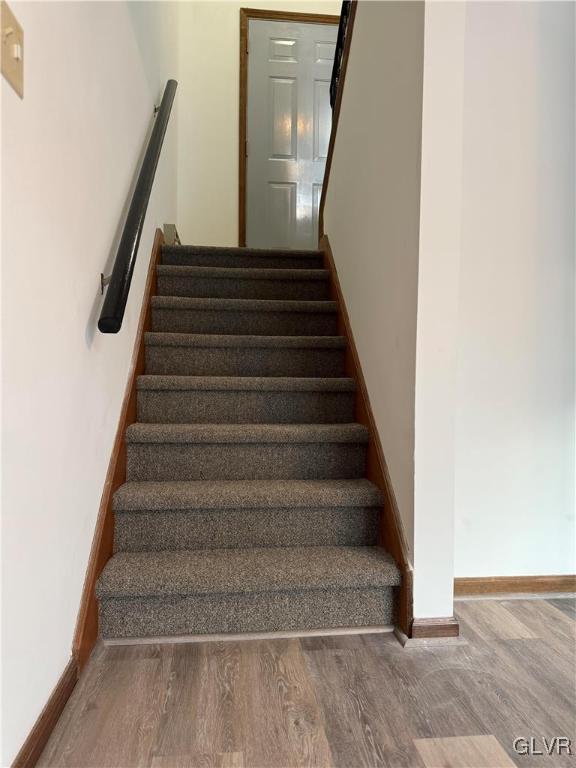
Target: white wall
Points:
(437, 327)
(209, 111)
(372, 220)
(70, 151)
(463, 306)
(515, 405)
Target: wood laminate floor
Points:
(346, 701)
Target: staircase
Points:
(246, 507)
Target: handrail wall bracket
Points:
(104, 280)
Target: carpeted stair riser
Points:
(171, 356)
(242, 283)
(245, 317)
(238, 613)
(245, 407)
(251, 461)
(223, 528)
(196, 256)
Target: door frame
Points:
(246, 14)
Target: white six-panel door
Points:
(288, 130)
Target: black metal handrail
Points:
(340, 40)
(119, 285)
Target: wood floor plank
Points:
(332, 642)
(431, 691)
(362, 730)
(558, 631)
(343, 701)
(203, 695)
(226, 760)
(232, 760)
(67, 725)
(544, 618)
(282, 709)
(463, 752)
(105, 725)
(493, 621)
(524, 687)
(565, 604)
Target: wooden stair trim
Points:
(86, 632)
(391, 533)
(37, 739)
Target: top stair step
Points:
(267, 258)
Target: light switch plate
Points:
(12, 40)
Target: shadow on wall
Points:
(154, 23)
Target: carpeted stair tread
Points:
(242, 305)
(201, 340)
(245, 383)
(246, 433)
(248, 273)
(247, 494)
(246, 571)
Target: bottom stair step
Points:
(245, 590)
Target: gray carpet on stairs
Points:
(244, 400)
(218, 282)
(255, 258)
(247, 590)
(180, 314)
(217, 514)
(246, 506)
(215, 571)
(180, 615)
(251, 451)
(226, 355)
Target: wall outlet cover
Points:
(12, 40)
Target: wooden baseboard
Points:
(391, 535)
(426, 628)
(494, 585)
(86, 632)
(44, 725)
